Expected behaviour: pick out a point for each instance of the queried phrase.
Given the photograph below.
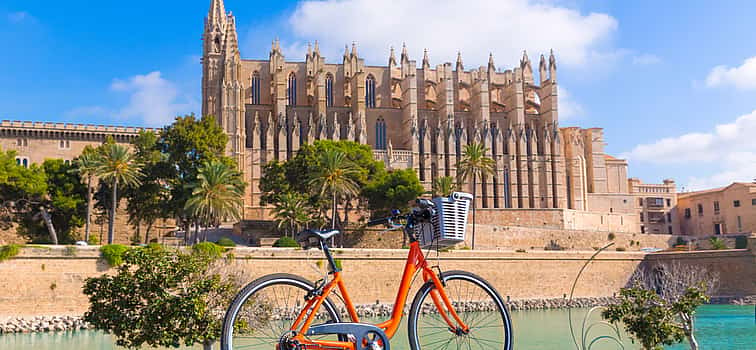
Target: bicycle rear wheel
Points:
(478, 305)
(263, 312)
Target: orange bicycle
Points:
(452, 309)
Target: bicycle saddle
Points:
(311, 238)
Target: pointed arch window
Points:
(291, 90)
(255, 85)
(329, 90)
(380, 133)
(370, 91)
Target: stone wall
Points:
(48, 281)
(559, 219)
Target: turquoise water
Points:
(718, 327)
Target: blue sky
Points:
(671, 83)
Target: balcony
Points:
(395, 159)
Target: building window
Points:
(740, 224)
(291, 90)
(255, 87)
(753, 201)
(370, 91)
(329, 90)
(669, 217)
(643, 229)
(641, 217)
(669, 202)
(26, 142)
(716, 207)
(22, 161)
(380, 134)
(18, 142)
(736, 203)
(700, 210)
(640, 202)
(669, 229)
(64, 144)
(687, 213)
(717, 229)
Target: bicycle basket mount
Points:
(448, 224)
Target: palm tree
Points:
(86, 167)
(216, 194)
(335, 178)
(475, 163)
(443, 186)
(292, 211)
(117, 166)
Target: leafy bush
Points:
(681, 241)
(225, 242)
(93, 240)
(741, 242)
(8, 251)
(717, 243)
(187, 299)
(611, 236)
(113, 253)
(286, 242)
(553, 245)
(208, 249)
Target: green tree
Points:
(186, 297)
(117, 166)
(187, 144)
(292, 212)
(475, 164)
(393, 190)
(443, 186)
(85, 166)
(717, 243)
(654, 321)
(216, 195)
(64, 202)
(21, 189)
(335, 179)
(273, 182)
(146, 201)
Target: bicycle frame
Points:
(415, 262)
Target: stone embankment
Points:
(44, 324)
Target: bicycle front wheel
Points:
(263, 312)
(478, 305)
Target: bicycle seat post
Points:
(329, 257)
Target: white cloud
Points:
(152, 101)
(742, 77)
(475, 27)
(646, 59)
(729, 150)
(569, 109)
(20, 16)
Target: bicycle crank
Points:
(365, 336)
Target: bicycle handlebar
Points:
(380, 221)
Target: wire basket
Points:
(448, 224)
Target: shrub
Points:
(681, 241)
(8, 251)
(113, 253)
(741, 242)
(286, 242)
(717, 243)
(208, 249)
(93, 240)
(553, 245)
(611, 236)
(225, 242)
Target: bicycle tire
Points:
(259, 284)
(449, 276)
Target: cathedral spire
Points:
(309, 49)
(354, 49)
(217, 13)
(426, 61)
(317, 48)
(346, 51)
(404, 52)
(459, 67)
(392, 59)
(491, 66)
